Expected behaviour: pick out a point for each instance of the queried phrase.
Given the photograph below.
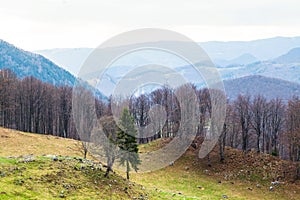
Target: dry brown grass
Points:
(17, 143)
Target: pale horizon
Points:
(35, 25)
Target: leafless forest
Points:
(252, 122)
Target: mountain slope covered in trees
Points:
(255, 85)
(25, 64)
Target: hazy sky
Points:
(42, 24)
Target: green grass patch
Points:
(43, 178)
(7, 160)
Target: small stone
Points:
(275, 182)
(2, 174)
(55, 158)
(82, 167)
(224, 196)
(62, 194)
(200, 187)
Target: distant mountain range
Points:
(272, 64)
(286, 67)
(25, 63)
(263, 49)
(276, 77)
(293, 56)
(242, 60)
(223, 54)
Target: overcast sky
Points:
(43, 24)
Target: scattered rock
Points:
(82, 167)
(200, 187)
(186, 168)
(27, 159)
(224, 196)
(271, 188)
(258, 185)
(19, 182)
(275, 183)
(55, 158)
(11, 157)
(171, 163)
(2, 174)
(249, 188)
(62, 194)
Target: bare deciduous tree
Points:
(242, 105)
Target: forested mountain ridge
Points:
(24, 64)
(268, 87)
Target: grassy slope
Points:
(179, 183)
(240, 177)
(46, 179)
(16, 143)
(43, 178)
(67, 178)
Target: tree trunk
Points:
(108, 169)
(221, 153)
(257, 143)
(208, 161)
(127, 170)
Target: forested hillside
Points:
(31, 105)
(25, 64)
(267, 125)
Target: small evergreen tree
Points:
(127, 142)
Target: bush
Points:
(274, 153)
